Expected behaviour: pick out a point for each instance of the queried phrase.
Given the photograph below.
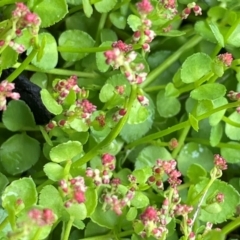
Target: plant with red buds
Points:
(6, 89)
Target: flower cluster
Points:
(25, 19)
(6, 92)
(165, 167)
(234, 96)
(111, 197)
(155, 220)
(73, 190)
(219, 162)
(226, 59)
(36, 218)
(191, 6)
(22, 18)
(122, 56)
(103, 175)
(144, 35)
(81, 109)
(42, 217)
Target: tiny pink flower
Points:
(219, 197)
(144, 7)
(143, 100)
(226, 58)
(220, 162)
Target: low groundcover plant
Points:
(120, 119)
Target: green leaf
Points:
(110, 219)
(108, 35)
(215, 118)
(213, 208)
(131, 214)
(214, 234)
(203, 29)
(171, 90)
(231, 131)
(134, 22)
(193, 121)
(78, 211)
(231, 200)
(79, 125)
(138, 113)
(142, 175)
(50, 103)
(19, 153)
(101, 59)
(92, 229)
(216, 134)
(92, 200)
(215, 30)
(194, 153)
(87, 8)
(210, 91)
(39, 79)
(49, 57)
(25, 38)
(8, 58)
(120, 80)
(204, 106)
(195, 67)
(65, 151)
(167, 106)
(234, 38)
(75, 39)
(50, 198)
(118, 20)
(23, 189)
(149, 155)
(195, 173)
(131, 132)
(140, 200)
(56, 8)
(231, 155)
(106, 93)
(18, 116)
(54, 171)
(105, 6)
(3, 182)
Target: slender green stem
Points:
(101, 24)
(170, 60)
(154, 88)
(4, 223)
(83, 50)
(68, 229)
(230, 122)
(40, 187)
(162, 133)
(45, 136)
(57, 71)
(223, 107)
(37, 234)
(23, 66)
(231, 226)
(181, 141)
(179, 126)
(111, 136)
(192, 86)
(219, 145)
